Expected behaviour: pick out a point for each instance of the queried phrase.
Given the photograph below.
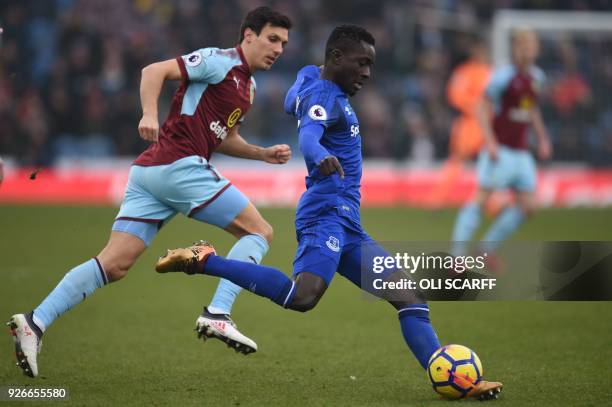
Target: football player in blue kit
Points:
(328, 226)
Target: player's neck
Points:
(522, 66)
(328, 75)
(247, 57)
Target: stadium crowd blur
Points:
(70, 71)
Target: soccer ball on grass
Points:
(454, 370)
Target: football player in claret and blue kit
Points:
(174, 175)
(509, 109)
(328, 227)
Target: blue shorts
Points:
(190, 186)
(513, 168)
(327, 246)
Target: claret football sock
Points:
(418, 332)
(250, 248)
(467, 222)
(505, 223)
(78, 284)
(262, 280)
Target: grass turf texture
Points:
(132, 343)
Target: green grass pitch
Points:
(132, 343)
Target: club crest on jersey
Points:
(193, 59)
(233, 117)
(333, 244)
(317, 112)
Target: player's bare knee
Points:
(304, 303)
(261, 228)
(265, 230)
(115, 270)
(308, 291)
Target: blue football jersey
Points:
(316, 101)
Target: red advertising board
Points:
(381, 186)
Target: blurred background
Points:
(70, 71)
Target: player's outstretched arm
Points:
(234, 145)
(485, 112)
(151, 82)
(544, 145)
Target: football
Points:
(454, 370)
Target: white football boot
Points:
(28, 341)
(222, 327)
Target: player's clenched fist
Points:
(277, 154)
(329, 165)
(148, 128)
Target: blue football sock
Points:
(249, 248)
(466, 224)
(506, 222)
(78, 284)
(262, 280)
(418, 332)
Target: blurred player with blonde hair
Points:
(509, 109)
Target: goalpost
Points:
(505, 21)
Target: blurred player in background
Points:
(1, 170)
(328, 223)
(174, 174)
(510, 107)
(464, 92)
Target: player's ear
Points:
(249, 34)
(336, 55)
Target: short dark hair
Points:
(257, 19)
(345, 36)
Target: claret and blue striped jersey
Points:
(514, 94)
(216, 92)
